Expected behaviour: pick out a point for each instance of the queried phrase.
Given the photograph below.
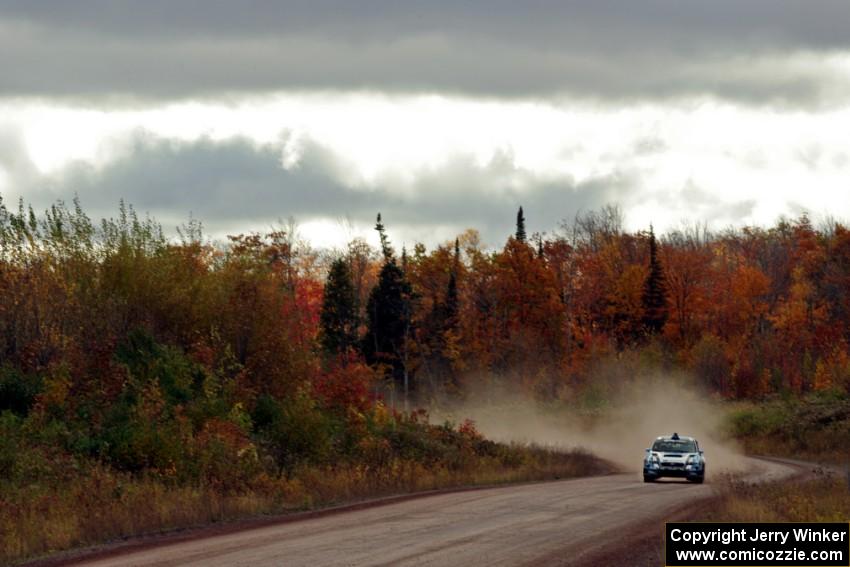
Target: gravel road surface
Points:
(534, 524)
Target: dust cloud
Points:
(619, 433)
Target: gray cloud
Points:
(608, 23)
(697, 203)
(236, 185)
(607, 49)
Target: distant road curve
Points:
(548, 523)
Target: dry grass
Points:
(101, 505)
(105, 505)
(826, 498)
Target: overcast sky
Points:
(443, 115)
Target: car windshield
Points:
(674, 446)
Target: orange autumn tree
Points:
(529, 313)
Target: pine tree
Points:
(389, 315)
(388, 319)
(386, 248)
(339, 311)
(520, 226)
(654, 291)
(451, 305)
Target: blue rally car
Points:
(674, 456)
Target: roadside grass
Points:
(825, 498)
(815, 428)
(97, 504)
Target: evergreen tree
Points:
(520, 226)
(654, 291)
(451, 305)
(389, 315)
(441, 331)
(386, 248)
(445, 311)
(540, 251)
(388, 320)
(339, 311)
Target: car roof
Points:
(670, 438)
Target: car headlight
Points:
(693, 460)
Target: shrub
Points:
(225, 458)
(18, 391)
(294, 431)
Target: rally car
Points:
(674, 456)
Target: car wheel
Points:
(647, 478)
(696, 480)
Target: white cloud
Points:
(745, 165)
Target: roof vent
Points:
(675, 436)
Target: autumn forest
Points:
(260, 374)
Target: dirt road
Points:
(537, 524)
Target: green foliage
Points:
(134, 443)
(339, 318)
(520, 234)
(386, 248)
(752, 421)
(452, 303)
(149, 362)
(294, 431)
(448, 309)
(815, 427)
(654, 297)
(18, 391)
(9, 445)
(388, 316)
